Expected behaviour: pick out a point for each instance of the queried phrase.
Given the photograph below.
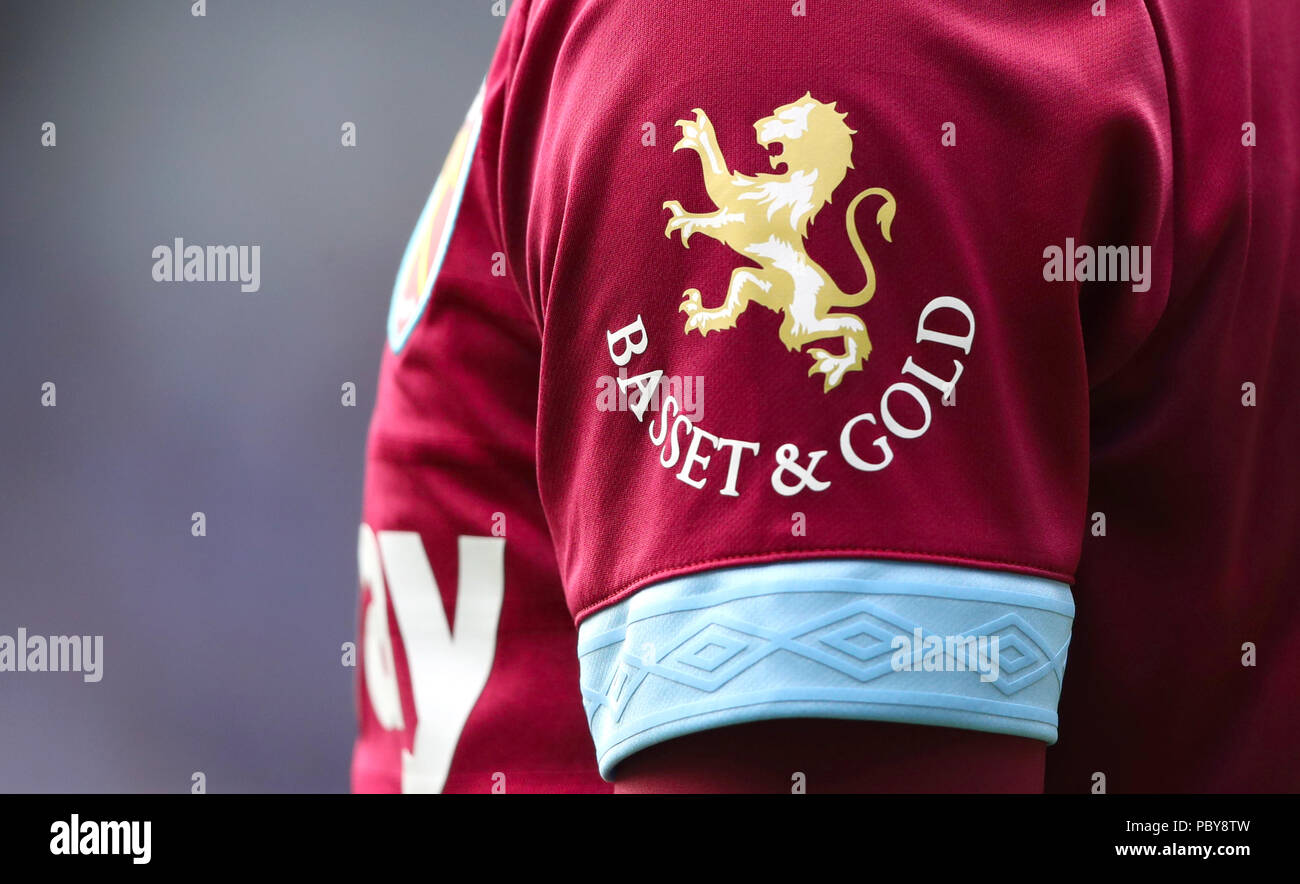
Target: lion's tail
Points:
(884, 217)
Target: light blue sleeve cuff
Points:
(867, 639)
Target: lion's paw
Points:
(830, 365)
(698, 319)
(694, 131)
(681, 220)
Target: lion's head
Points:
(813, 138)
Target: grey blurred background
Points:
(222, 654)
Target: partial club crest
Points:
(428, 245)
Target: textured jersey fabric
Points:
(1007, 290)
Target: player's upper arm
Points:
(813, 416)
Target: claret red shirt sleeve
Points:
(854, 365)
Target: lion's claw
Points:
(832, 366)
(693, 131)
(693, 306)
(679, 221)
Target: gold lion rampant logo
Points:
(765, 218)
